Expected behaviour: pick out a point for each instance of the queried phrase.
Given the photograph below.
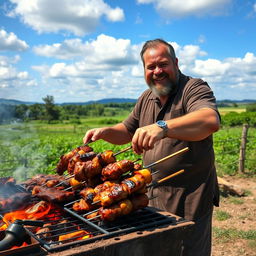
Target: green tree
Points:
(52, 112)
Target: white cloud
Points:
(10, 42)
(111, 67)
(175, 8)
(78, 17)
(10, 77)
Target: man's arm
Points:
(117, 134)
(194, 126)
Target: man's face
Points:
(160, 70)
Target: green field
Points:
(35, 147)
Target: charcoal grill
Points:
(139, 221)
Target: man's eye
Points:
(151, 67)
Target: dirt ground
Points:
(240, 213)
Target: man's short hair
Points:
(154, 43)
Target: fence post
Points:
(243, 148)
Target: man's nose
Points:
(158, 70)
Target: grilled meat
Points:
(79, 158)
(123, 207)
(64, 159)
(113, 171)
(14, 201)
(53, 194)
(117, 192)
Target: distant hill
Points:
(102, 101)
(114, 100)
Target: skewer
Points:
(153, 184)
(88, 213)
(167, 157)
(68, 188)
(123, 150)
(119, 152)
(86, 144)
(98, 216)
(72, 202)
(68, 177)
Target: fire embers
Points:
(55, 225)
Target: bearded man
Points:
(177, 111)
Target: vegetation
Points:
(49, 131)
(222, 215)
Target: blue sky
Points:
(81, 50)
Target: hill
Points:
(102, 101)
(116, 100)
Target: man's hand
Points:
(94, 134)
(145, 138)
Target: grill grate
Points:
(60, 223)
(63, 220)
(139, 220)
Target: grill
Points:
(62, 220)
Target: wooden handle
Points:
(170, 176)
(167, 157)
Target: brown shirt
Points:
(191, 194)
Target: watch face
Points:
(161, 123)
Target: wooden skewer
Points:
(165, 178)
(167, 157)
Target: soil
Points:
(240, 215)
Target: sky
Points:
(83, 50)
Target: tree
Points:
(52, 112)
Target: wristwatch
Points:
(162, 124)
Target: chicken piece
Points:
(82, 205)
(107, 184)
(88, 194)
(113, 171)
(123, 207)
(115, 193)
(75, 184)
(64, 159)
(139, 201)
(79, 157)
(86, 170)
(138, 180)
(107, 157)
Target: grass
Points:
(225, 110)
(230, 233)
(236, 201)
(222, 215)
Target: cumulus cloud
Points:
(119, 71)
(10, 42)
(10, 77)
(95, 73)
(78, 17)
(174, 8)
(119, 51)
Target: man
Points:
(176, 111)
